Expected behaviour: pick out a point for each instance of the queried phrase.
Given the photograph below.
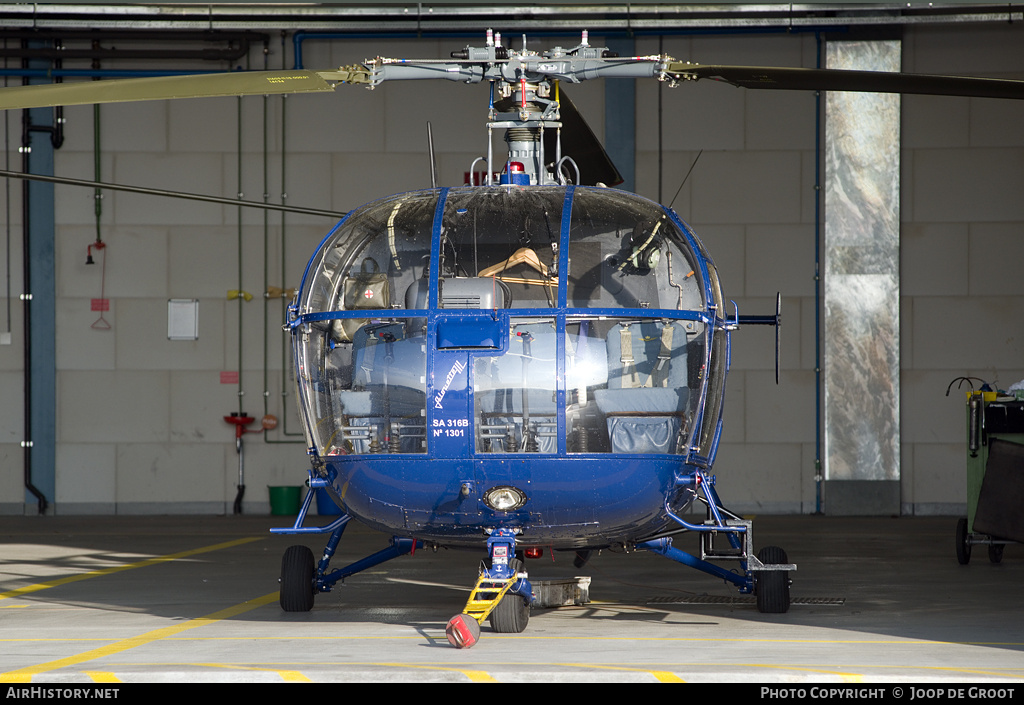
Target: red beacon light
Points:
(515, 174)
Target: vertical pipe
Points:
(241, 299)
(7, 208)
(240, 430)
(40, 383)
(39, 298)
(266, 267)
(97, 173)
(285, 351)
(817, 290)
(266, 242)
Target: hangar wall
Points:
(139, 418)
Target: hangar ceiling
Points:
(547, 18)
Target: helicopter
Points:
(537, 362)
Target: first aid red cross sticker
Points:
(368, 293)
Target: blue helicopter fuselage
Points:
(549, 359)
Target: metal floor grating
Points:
(738, 600)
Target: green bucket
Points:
(285, 501)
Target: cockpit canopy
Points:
(624, 252)
(583, 316)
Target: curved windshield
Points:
(499, 248)
(625, 252)
(633, 383)
(717, 369)
(363, 374)
(375, 258)
(618, 367)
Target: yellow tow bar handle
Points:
(486, 596)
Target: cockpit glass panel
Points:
(362, 376)
(625, 252)
(716, 389)
(716, 289)
(366, 394)
(379, 258)
(499, 247)
(514, 393)
(632, 385)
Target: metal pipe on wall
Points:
(39, 302)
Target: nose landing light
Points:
(504, 498)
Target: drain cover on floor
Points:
(740, 600)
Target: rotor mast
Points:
(525, 97)
(527, 109)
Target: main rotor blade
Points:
(846, 80)
(188, 86)
(171, 194)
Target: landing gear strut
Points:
(302, 577)
(766, 575)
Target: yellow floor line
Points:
(287, 676)
(661, 676)
(24, 675)
(667, 677)
(473, 676)
(125, 566)
(294, 677)
(102, 677)
(289, 672)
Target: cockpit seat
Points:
(647, 392)
(388, 385)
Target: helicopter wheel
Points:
(511, 615)
(772, 586)
(297, 570)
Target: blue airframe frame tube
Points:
(663, 547)
(399, 547)
(315, 483)
(325, 581)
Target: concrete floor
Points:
(173, 599)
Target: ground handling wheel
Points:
(963, 542)
(297, 571)
(995, 552)
(771, 587)
(510, 615)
